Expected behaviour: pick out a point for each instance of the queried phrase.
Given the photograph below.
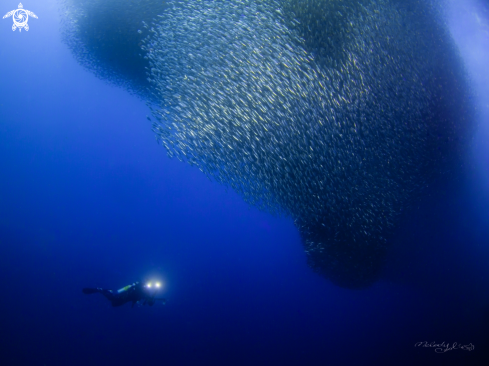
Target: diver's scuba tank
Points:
(128, 287)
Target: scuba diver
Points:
(134, 293)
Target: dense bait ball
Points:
(336, 113)
(105, 36)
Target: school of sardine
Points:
(336, 113)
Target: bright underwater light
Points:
(154, 285)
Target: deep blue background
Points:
(88, 198)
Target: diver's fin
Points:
(89, 291)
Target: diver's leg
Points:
(107, 293)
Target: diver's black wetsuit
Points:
(131, 293)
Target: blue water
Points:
(88, 198)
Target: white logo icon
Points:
(20, 17)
